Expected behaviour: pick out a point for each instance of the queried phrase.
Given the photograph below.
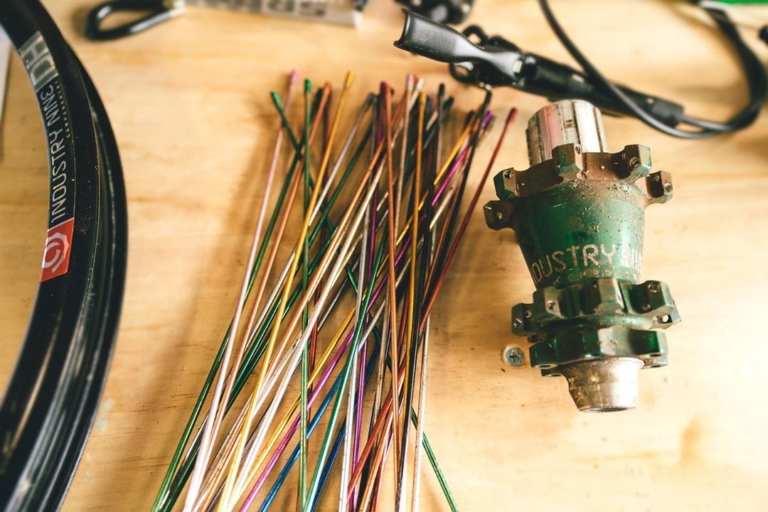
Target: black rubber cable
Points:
(51, 400)
(753, 67)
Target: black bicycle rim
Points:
(51, 400)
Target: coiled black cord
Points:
(754, 70)
(50, 403)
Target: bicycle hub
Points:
(578, 214)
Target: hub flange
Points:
(578, 213)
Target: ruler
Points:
(341, 12)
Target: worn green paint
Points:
(579, 221)
(580, 230)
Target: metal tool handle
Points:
(157, 11)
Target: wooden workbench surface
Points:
(189, 104)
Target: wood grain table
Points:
(190, 107)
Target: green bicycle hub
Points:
(578, 214)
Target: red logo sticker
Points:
(57, 246)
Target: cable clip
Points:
(157, 11)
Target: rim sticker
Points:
(61, 165)
(57, 247)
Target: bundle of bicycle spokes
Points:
(317, 394)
